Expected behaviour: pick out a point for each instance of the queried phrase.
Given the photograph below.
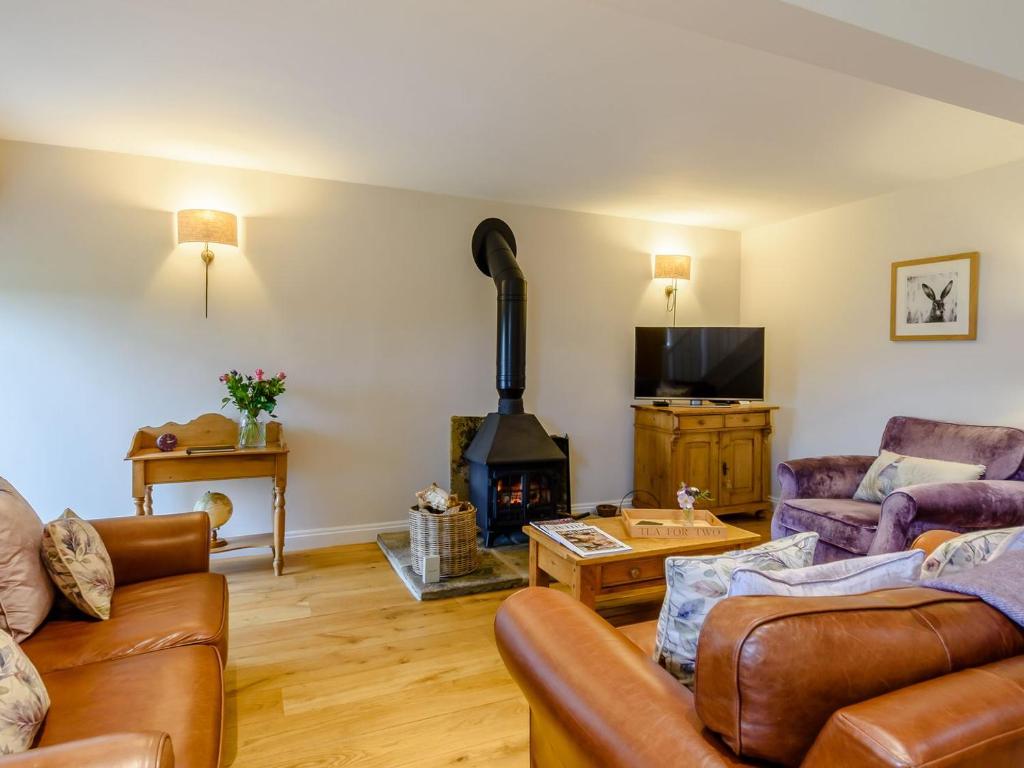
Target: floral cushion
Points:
(695, 584)
(23, 698)
(892, 471)
(970, 549)
(79, 564)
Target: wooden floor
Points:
(335, 665)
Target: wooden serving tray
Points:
(672, 524)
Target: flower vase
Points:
(252, 431)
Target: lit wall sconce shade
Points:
(674, 268)
(199, 225)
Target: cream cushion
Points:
(79, 564)
(26, 594)
(891, 471)
(695, 584)
(853, 576)
(24, 701)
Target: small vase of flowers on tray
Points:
(688, 496)
(252, 394)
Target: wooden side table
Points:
(151, 466)
(639, 569)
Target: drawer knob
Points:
(634, 573)
(700, 422)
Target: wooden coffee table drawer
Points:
(746, 420)
(620, 573)
(630, 571)
(700, 422)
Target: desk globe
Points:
(219, 508)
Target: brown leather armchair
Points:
(117, 750)
(144, 689)
(908, 677)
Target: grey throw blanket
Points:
(1000, 583)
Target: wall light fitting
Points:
(200, 225)
(674, 268)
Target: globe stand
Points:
(215, 541)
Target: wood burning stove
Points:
(509, 495)
(517, 473)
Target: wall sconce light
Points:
(196, 225)
(674, 268)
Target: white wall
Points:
(367, 297)
(820, 284)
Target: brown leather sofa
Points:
(145, 688)
(908, 677)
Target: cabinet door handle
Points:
(725, 469)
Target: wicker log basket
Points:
(450, 534)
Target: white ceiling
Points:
(661, 109)
(985, 33)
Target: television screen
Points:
(699, 363)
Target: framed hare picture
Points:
(935, 299)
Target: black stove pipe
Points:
(494, 251)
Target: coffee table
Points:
(622, 572)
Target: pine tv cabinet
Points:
(725, 450)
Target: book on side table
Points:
(585, 540)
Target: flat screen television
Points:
(699, 363)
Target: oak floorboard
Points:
(336, 665)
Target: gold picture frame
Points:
(935, 299)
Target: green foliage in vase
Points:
(253, 394)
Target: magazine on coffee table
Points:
(585, 540)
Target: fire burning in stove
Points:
(510, 491)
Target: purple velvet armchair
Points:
(817, 494)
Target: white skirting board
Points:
(360, 533)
